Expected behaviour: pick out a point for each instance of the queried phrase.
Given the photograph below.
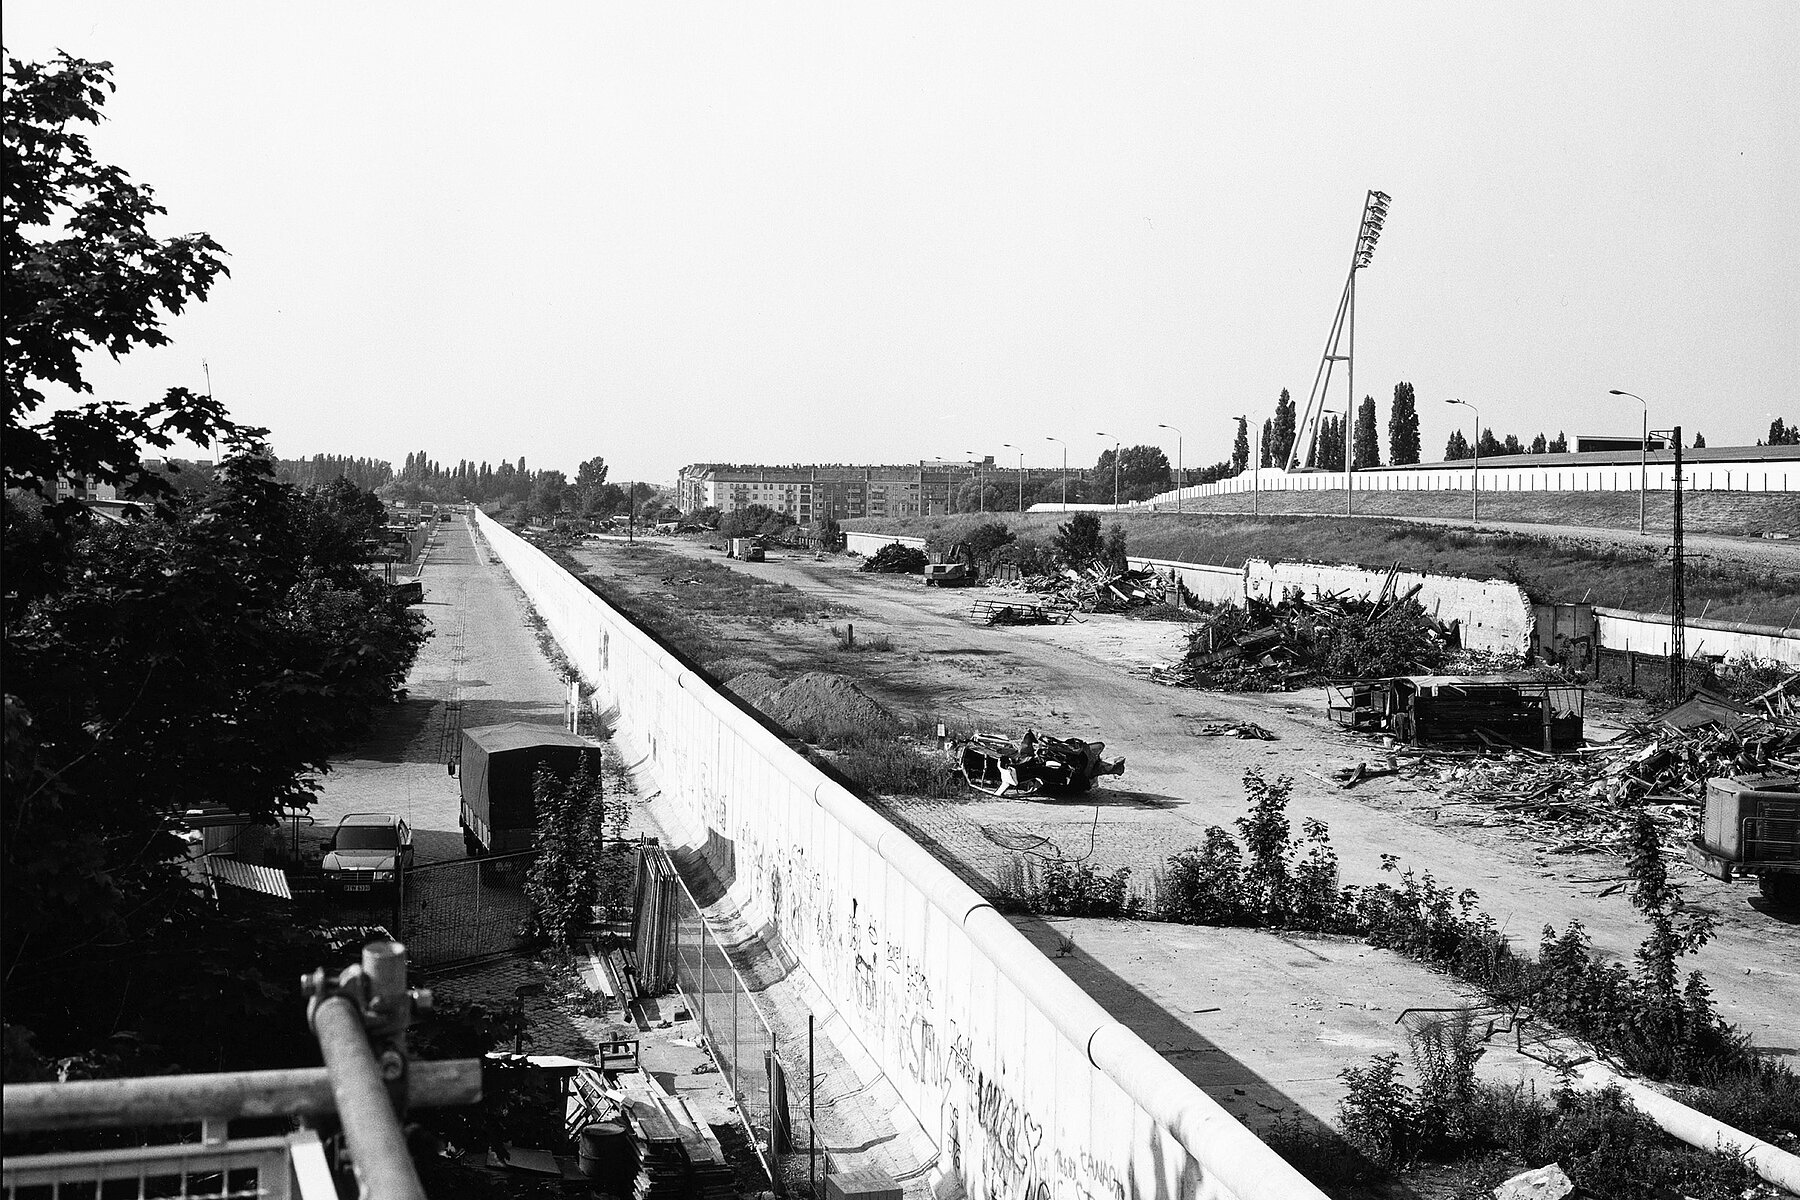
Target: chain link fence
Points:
(676, 948)
(465, 909)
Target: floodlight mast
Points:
(1342, 337)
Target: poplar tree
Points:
(1240, 449)
(1284, 428)
(1403, 427)
(1366, 450)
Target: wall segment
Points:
(1027, 1088)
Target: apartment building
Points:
(839, 491)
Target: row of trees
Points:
(210, 653)
(1458, 446)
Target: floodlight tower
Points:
(1341, 345)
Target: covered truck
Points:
(496, 767)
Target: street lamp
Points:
(1180, 475)
(1065, 475)
(1475, 475)
(980, 497)
(1116, 445)
(1643, 454)
(1255, 463)
(1010, 446)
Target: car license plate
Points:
(356, 887)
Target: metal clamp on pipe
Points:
(360, 1019)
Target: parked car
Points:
(366, 851)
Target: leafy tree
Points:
(1240, 448)
(1539, 444)
(1512, 445)
(1268, 442)
(1490, 445)
(1560, 445)
(549, 493)
(710, 515)
(1143, 472)
(1283, 429)
(590, 477)
(1457, 447)
(1699, 440)
(1783, 434)
(1078, 542)
(82, 274)
(1403, 426)
(754, 520)
(1366, 451)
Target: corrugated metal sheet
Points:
(249, 876)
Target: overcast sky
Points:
(669, 233)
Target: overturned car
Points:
(1033, 764)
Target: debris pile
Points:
(896, 559)
(1278, 645)
(1098, 588)
(1034, 764)
(1587, 801)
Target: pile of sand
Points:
(813, 703)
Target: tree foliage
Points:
(1781, 433)
(83, 274)
(211, 652)
(1240, 448)
(1403, 427)
(1078, 542)
(565, 877)
(1282, 430)
(1365, 450)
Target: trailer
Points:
(1750, 825)
(495, 768)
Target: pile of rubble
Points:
(1587, 801)
(1098, 588)
(1297, 640)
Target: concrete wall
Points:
(1029, 1090)
(866, 544)
(1221, 585)
(1495, 615)
(1648, 633)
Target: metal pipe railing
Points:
(371, 1127)
(231, 1096)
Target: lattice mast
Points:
(1340, 346)
(1677, 594)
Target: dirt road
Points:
(1077, 679)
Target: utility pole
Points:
(1677, 589)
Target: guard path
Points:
(481, 666)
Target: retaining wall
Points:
(1647, 633)
(1028, 1089)
(1221, 585)
(1495, 614)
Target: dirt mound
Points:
(820, 701)
(756, 687)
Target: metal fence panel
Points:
(451, 912)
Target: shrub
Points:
(1378, 1113)
(1078, 541)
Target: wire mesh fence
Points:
(767, 1078)
(464, 909)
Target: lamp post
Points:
(1475, 475)
(1255, 463)
(1065, 474)
(980, 489)
(1643, 455)
(1116, 445)
(1010, 446)
(1180, 474)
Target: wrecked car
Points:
(1035, 764)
